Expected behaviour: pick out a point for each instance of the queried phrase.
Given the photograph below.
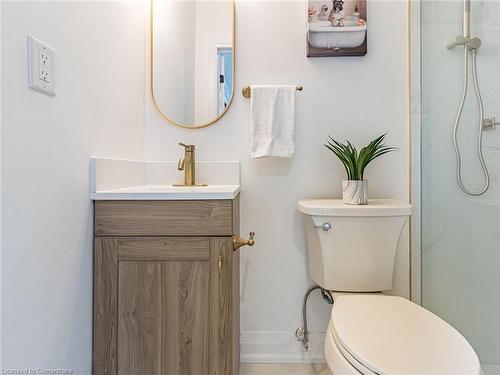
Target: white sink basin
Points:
(322, 35)
(169, 192)
(115, 179)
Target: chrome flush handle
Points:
(327, 227)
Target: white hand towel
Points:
(272, 121)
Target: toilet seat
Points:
(380, 334)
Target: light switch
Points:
(41, 66)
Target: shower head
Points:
(466, 19)
(472, 44)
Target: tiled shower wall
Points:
(461, 234)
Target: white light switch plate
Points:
(41, 66)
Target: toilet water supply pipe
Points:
(471, 46)
(302, 333)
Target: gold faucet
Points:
(188, 165)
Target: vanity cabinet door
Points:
(164, 306)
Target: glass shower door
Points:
(461, 233)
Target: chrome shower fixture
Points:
(470, 43)
(471, 46)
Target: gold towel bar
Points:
(247, 91)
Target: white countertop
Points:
(169, 192)
(118, 179)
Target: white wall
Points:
(46, 145)
(354, 98)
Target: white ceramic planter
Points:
(355, 191)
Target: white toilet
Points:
(351, 252)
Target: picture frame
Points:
(336, 28)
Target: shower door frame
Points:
(414, 120)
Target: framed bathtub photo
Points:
(336, 28)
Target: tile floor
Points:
(311, 369)
(284, 369)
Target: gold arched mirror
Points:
(192, 60)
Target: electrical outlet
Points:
(41, 66)
(44, 65)
(44, 75)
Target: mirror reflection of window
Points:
(224, 77)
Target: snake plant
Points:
(354, 162)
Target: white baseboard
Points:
(278, 358)
(280, 347)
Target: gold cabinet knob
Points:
(239, 242)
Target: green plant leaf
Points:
(355, 162)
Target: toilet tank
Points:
(353, 248)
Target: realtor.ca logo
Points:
(36, 371)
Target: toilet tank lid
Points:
(336, 207)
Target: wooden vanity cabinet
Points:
(166, 288)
